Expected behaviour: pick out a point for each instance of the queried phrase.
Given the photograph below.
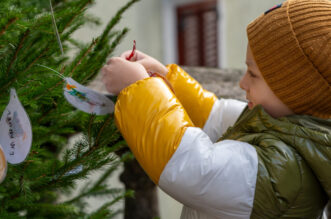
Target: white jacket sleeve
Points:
(217, 179)
(223, 115)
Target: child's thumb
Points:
(146, 63)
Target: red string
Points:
(133, 51)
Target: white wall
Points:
(152, 24)
(143, 19)
(236, 15)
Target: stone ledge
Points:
(223, 82)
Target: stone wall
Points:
(223, 82)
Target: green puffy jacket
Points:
(294, 163)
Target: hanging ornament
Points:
(78, 95)
(83, 98)
(16, 132)
(86, 99)
(3, 165)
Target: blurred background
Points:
(210, 33)
(188, 32)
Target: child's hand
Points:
(150, 64)
(120, 73)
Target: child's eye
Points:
(252, 74)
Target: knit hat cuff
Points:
(285, 67)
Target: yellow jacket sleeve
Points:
(152, 121)
(197, 101)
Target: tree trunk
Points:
(144, 205)
(328, 210)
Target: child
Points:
(270, 158)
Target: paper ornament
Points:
(78, 95)
(86, 99)
(15, 131)
(3, 165)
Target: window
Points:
(197, 34)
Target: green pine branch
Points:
(27, 42)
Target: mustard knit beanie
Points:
(291, 44)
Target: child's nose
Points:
(243, 82)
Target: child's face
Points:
(258, 91)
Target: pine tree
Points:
(27, 43)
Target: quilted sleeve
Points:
(217, 178)
(152, 121)
(197, 101)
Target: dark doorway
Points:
(197, 34)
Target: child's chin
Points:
(250, 105)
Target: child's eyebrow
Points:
(248, 63)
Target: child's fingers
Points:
(138, 55)
(133, 58)
(126, 55)
(153, 66)
(114, 58)
(145, 62)
(120, 73)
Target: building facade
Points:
(154, 25)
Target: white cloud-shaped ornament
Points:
(16, 132)
(86, 99)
